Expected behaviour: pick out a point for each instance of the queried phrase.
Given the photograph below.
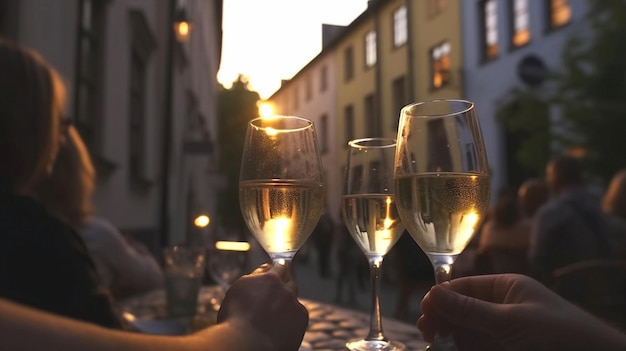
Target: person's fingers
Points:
(427, 326)
(467, 312)
(494, 288)
(283, 271)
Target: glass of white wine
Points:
(281, 192)
(442, 182)
(369, 212)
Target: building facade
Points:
(512, 44)
(396, 52)
(144, 103)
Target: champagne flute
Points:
(281, 193)
(369, 212)
(442, 182)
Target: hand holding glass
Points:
(441, 180)
(281, 193)
(370, 214)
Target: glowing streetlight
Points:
(202, 221)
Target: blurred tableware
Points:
(184, 267)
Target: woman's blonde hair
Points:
(32, 98)
(614, 201)
(67, 191)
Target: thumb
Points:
(468, 312)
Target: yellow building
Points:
(396, 52)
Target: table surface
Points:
(329, 327)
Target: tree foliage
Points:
(236, 107)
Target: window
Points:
(521, 28)
(400, 27)
(370, 48)
(90, 45)
(348, 63)
(372, 121)
(137, 127)
(324, 134)
(142, 45)
(308, 93)
(349, 123)
(399, 97)
(490, 28)
(324, 78)
(435, 7)
(440, 64)
(560, 13)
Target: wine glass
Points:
(441, 181)
(369, 212)
(281, 193)
(226, 261)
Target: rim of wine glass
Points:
(359, 143)
(468, 106)
(308, 123)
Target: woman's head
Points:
(505, 212)
(31, 105)
(67, 191)
(614, 201)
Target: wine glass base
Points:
(374, 345)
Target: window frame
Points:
(443, 45)
(370, 55)
(400, 27)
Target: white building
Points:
(511, 44)
(144, 102)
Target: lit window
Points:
(400, 29)
(440, 64)
(521, 30)
(560, 13)
(370, 49)
(490, 13)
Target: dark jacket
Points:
(44, 264)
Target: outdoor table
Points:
(329, 327)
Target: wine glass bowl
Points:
(370, 214)
(281, 192)
(442, 179)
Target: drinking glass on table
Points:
(369, 212)
(183, 270)
(442, 182)
(281, 193)
(226, 262)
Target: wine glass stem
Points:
(376, 326)
(443, 272)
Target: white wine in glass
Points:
(442, 182)
(370, 214)
(281, 192)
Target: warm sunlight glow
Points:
(232, 245)
(266, 109)
(279, 228)
(388, 221)
(201, 221)
(468, 223)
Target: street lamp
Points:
(182, 25)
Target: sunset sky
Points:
(270, 40)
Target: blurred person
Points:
(532, 195)
(43, 262)
(323, 239)
(572, 227)
(243, 324)
(349, 257)
(512, 312)
(504, 238)
(125, 266)
(614, 204)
